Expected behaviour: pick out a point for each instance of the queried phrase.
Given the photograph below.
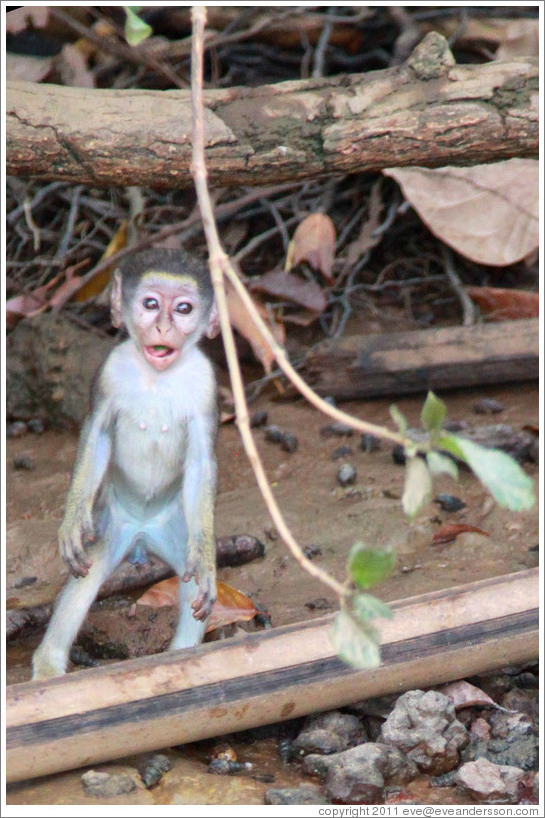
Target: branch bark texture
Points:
(427, 112)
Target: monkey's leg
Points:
(51, 658)
(190, 631)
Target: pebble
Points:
(22, 461)
(289, 442)
(104, 785)
(340, 452)
(490, 783)
(273, 433)
(36, 425)
(312, 551)
(328, 733)
(153, 769)
(319, 604)
(449, 502)
(16, 429)
(346, 476)
(488, 406)
(259, 419)
(337, 429)
(294, 795)
(369, 443)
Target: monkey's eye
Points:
(150, 304)
(184, 308)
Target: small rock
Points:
(294, 795)
(341, 451)
(16, 429)
(522, 701)
(104, 785)
(519, 751)
(329, 733)
(488, 406)
(490, 783)
(398, 455)
(36, 425)
(449, 503)
(319, 604)
(359, 775)
(346, 476)
(312, 551)
(153, 769)
(289, 442)
(480, 729)
(337, 429)
(424, 726)
(369, 443)
(259, 419)
(22, 461)
(510, 725)
(273, 433)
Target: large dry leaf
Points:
(287, 286)
(314, 241)
(500, 304)
(489, 213)
(241, 321)
(230, 606)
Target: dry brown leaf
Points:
(230, 606)
(489, 213)
(499, 304)
(242, 322)
(448, 533)
(313, 241)
(287, 286)
(97, 284)
(463, 694)
(366, 240)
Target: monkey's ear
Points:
(213, 322)
(115, 300)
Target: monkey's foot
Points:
(47, 664)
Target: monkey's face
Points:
(166, 312)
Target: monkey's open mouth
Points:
(159, 351)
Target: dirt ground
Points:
(320, 513)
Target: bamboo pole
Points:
(154, 702)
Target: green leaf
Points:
(439, 464)
(136, 30)
(450, 444)
(433, 414)
(510, 486)
(418, 487)
(367, 565)
(399, 419)
(357, 646)
(366, 606)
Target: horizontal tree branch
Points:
(427, 112)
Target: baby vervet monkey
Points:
(145, 472)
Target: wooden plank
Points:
(158, 701)
(365, 366)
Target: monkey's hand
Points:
(74, 530)
(204, 572)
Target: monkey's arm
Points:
(198, 496)
(91, 464)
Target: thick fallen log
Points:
(147, 704)
(400, 363)
(428, 111)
